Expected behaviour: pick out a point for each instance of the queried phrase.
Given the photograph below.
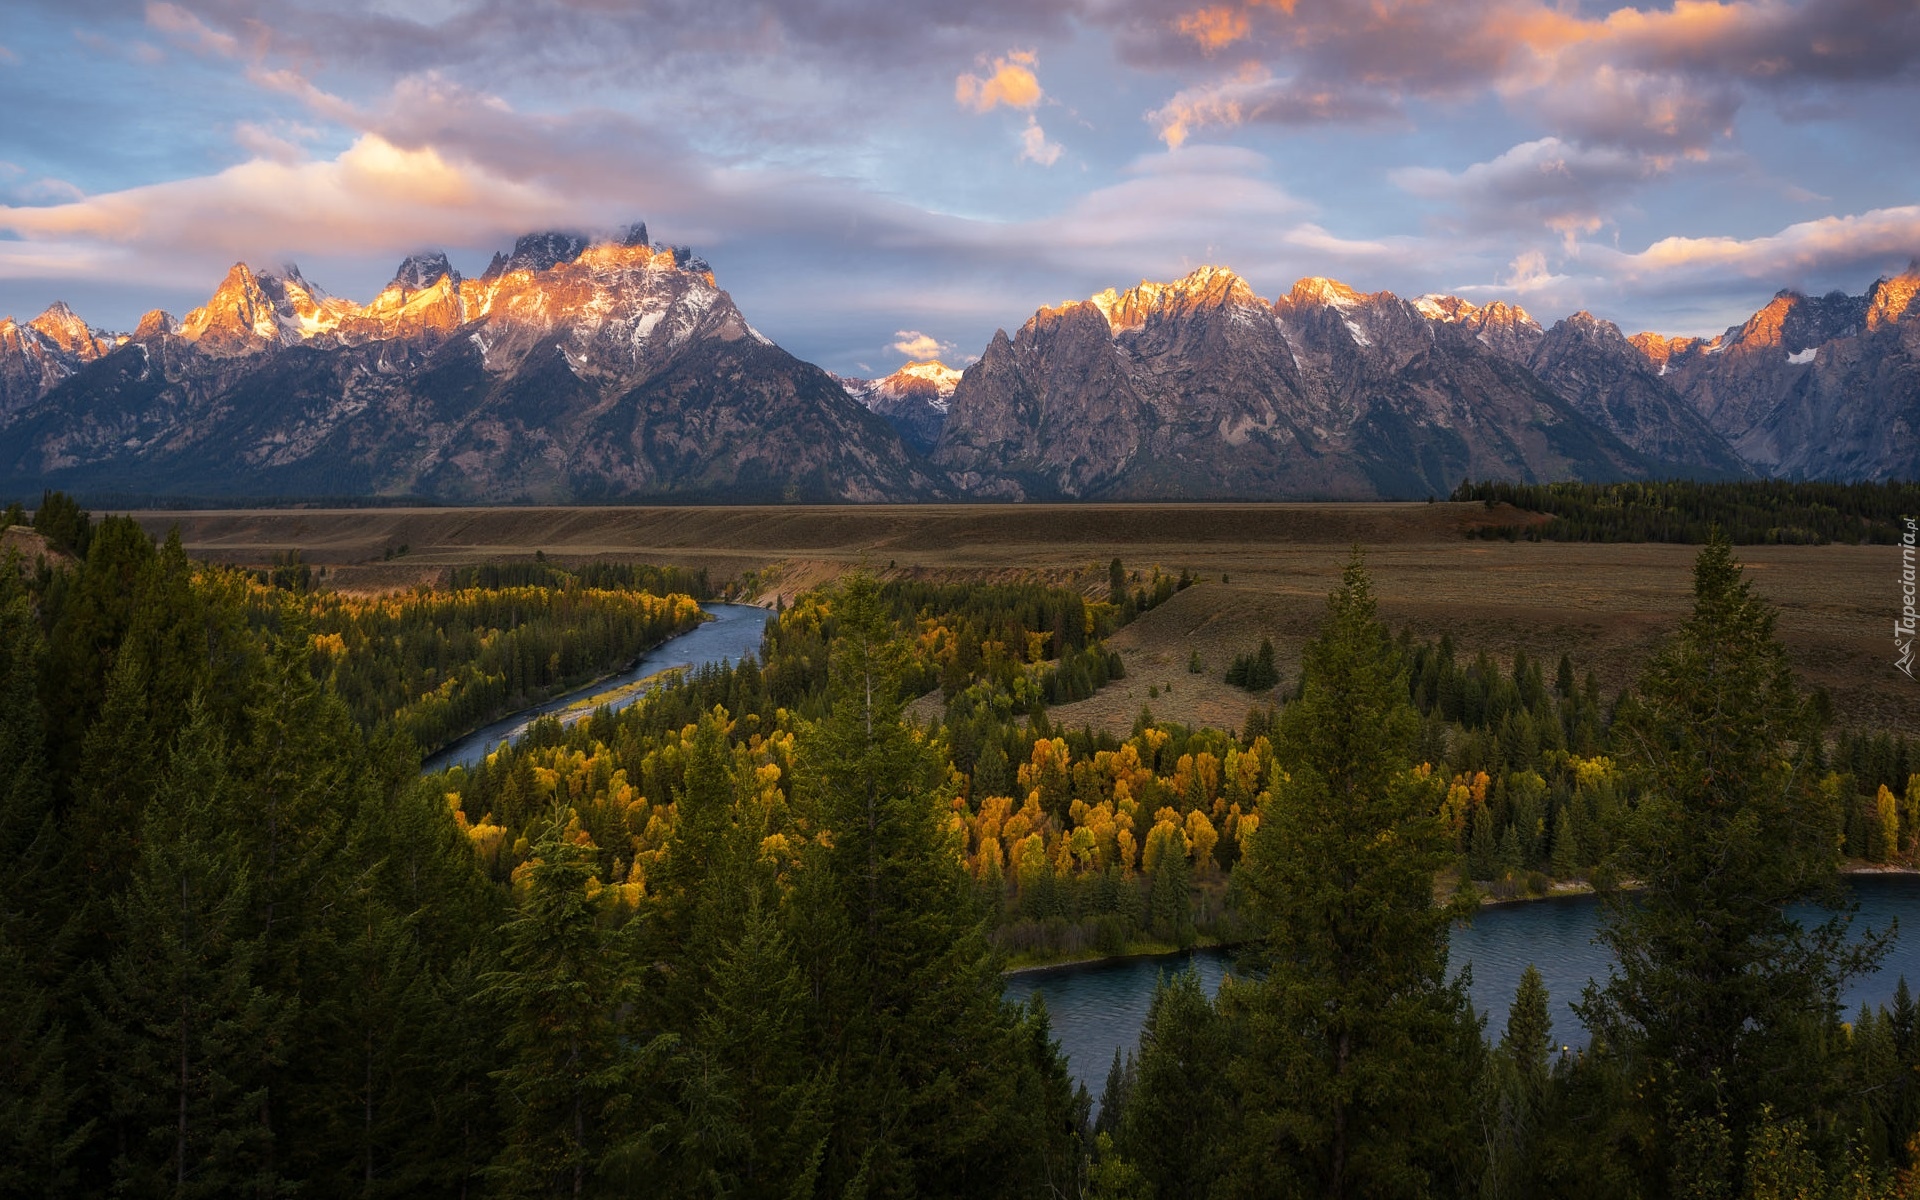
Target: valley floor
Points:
(1266, 571)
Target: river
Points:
(1100, 1007)
(733, 633)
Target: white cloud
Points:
(1034, 146)
(1869, 240)
(919, 346)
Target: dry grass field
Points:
(1266, 570)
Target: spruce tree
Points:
(39, 1093)
(893, 949)
(1356, 1035)
(1720, 997)
(1514, 1092)
(562, 987)
(1181, 1104)
(180, 1010)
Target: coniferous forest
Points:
(1748, 512)
(746, 937)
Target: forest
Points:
(1748, 512)
(745, 937)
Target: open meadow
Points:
(1265, 571)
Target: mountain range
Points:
(586, 369)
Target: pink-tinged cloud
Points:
(1555, 184)
(1670, 80)
(189, 32)
(1213, 27)
(1254, 95)
(920, 346)
(1011, 82)
(1878, 237)
(1035, 147)
(372, 197)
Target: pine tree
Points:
(562, 987)
(1566, 844)
(1514, 1093)
(1172, 1129)
(1715, 981)
(1356, 1014)
(893, 950)
(39, 1137)
(180, 1010)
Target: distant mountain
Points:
(572, 369)
(913, 399)
(1201, 389)
(1821, 387)
(579, 368)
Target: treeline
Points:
(597, 576)
(439, 663)
(1751, 512)
(246, 950)
(59, 519)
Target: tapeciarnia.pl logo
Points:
(1903, 629)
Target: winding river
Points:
(1100, 1007)
(733, 633)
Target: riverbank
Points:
(548, 705)
(726, 632)
(1135, 952)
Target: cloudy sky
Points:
(878, 178)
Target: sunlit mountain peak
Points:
(1318, 289)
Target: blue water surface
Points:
(1099, 1008)
(733, 633)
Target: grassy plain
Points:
(1266, 570)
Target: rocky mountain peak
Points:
(635, 235)
(1663, 352)
(1205, 287)
(1319, 290)
(539, 252)
(943, 377)
(1587, 327)
(418, 272)
(1437, 307)
(1891, 300)
(1507, 329)
(63, 327)
(154, 323)
(239, 317)
(302, 309)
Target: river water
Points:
(733, 633)
(1101, 1007)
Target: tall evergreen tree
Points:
(1719, 996)
(1180, 1106)
(181, 1011)
(39, 1136)
(1357, 1038)
(1514, 1093)
(562, 986)
(896, 956)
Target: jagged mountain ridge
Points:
(1202, 389)
(1823, 387)
(578, 368)
(543, 380)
